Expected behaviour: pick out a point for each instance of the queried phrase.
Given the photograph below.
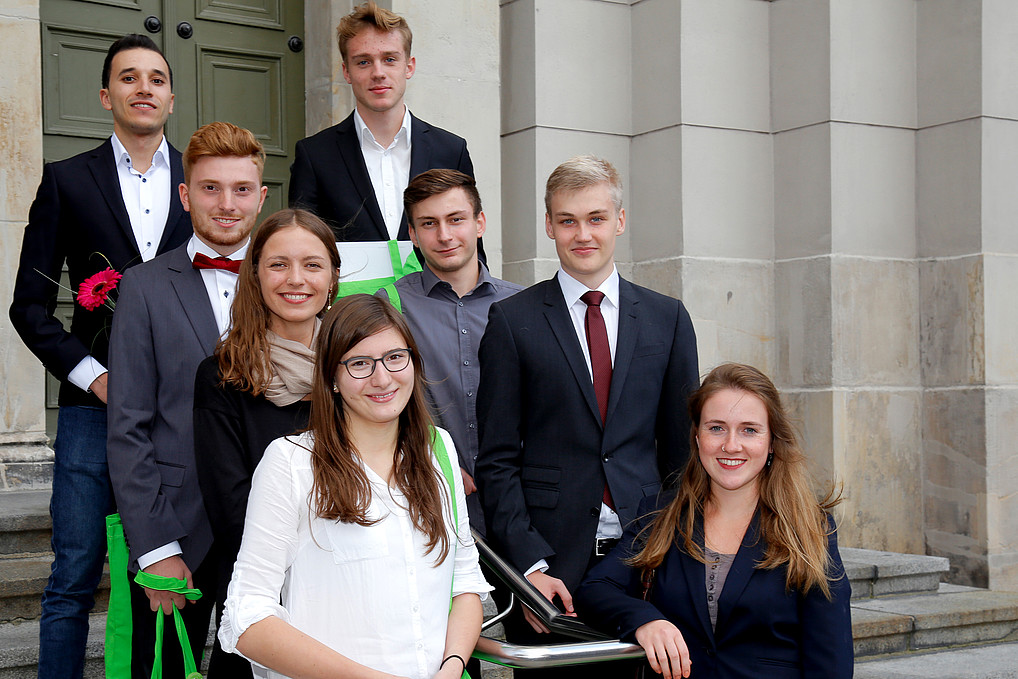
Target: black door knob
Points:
(153, 24)
(295, 44)
(184, 30)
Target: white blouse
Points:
(371, 593)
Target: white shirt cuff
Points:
(158, 554)
(541, 565)
(85, 372)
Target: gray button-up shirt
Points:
(448, 329)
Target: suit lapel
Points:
(176, 208)
(694, 572)
(194, 299)
(104, 171)
(350, 152)
(562, 327)
(750, 553)
(420, 146)
(624, 344)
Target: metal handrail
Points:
(595, 647)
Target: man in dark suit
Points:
(353, 174)
(170, 314)
(114, 206)
(582, 399)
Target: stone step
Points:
(22, 581)
(952, 616)
(996, 661)
(874, 573)
(24, 521)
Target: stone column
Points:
(24, 457)
(966, 149)
(847, 302)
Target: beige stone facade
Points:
(828, 184)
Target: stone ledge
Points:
(874, 573)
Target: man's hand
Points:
(468, 482)
(170, 567)
(549, 587)
(98, 386)
(666, 649)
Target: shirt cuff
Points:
(85, 372)
(541, 565)
(158, 554)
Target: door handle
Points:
(184, 30)
(153, 24)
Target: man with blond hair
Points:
(170, 314)
(582, 401)
(353, 174)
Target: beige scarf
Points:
(293, 366)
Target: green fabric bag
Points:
(119, 625)
(400, 268)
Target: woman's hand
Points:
(666, 649)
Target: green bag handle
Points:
(118, 615)
(442, 455)
(177, 586)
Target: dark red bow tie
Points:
(205, 262)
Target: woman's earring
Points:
(770, 457)
(335, 389)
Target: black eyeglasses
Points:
(362, 367)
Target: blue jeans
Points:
(81, 499)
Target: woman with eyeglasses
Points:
(354, 561)
(257, 385)
(735, 575)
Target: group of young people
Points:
(314, 464)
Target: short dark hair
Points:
(432, 183)
(129, 42)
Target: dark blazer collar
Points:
(350, 151)
(104, 170)
(628, 335)
(193, 297)
(176, 207)
(420, 146)
(562, 327)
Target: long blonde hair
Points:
(793, 521)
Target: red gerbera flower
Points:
(94, 291)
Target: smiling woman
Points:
(257, 386)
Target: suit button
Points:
(605, 458)
(594, 511)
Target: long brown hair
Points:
(793, 522)
(341, 489)
(244, 353)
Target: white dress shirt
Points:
(388, 168)
(371, 593)
(220, 285)
(147, 199)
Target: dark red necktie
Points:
(232, 265)
(600, 360)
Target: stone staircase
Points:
(905, 621)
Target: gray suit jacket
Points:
(162, 329)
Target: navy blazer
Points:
(762, 629)
(79, 216)
(329, 176)
(163, 329)
(544, 455)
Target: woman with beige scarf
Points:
(257, 385)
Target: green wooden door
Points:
(235, 60)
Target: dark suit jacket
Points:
(79, 216)
(544, 456)
(163, 328)
(329, 177)
(762, 629)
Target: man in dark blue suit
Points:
(582, 399)
(114, 206)
(353, 174)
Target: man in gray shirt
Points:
(446, 305)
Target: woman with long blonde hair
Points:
(355, 562)
(737, 573)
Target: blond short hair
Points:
(579, 172)
(370, 15)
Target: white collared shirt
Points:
(372, 593)
(388, 168)
(221, 285)
(147, 199)
(572, 290)
(146, 195)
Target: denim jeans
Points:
(81, 499)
